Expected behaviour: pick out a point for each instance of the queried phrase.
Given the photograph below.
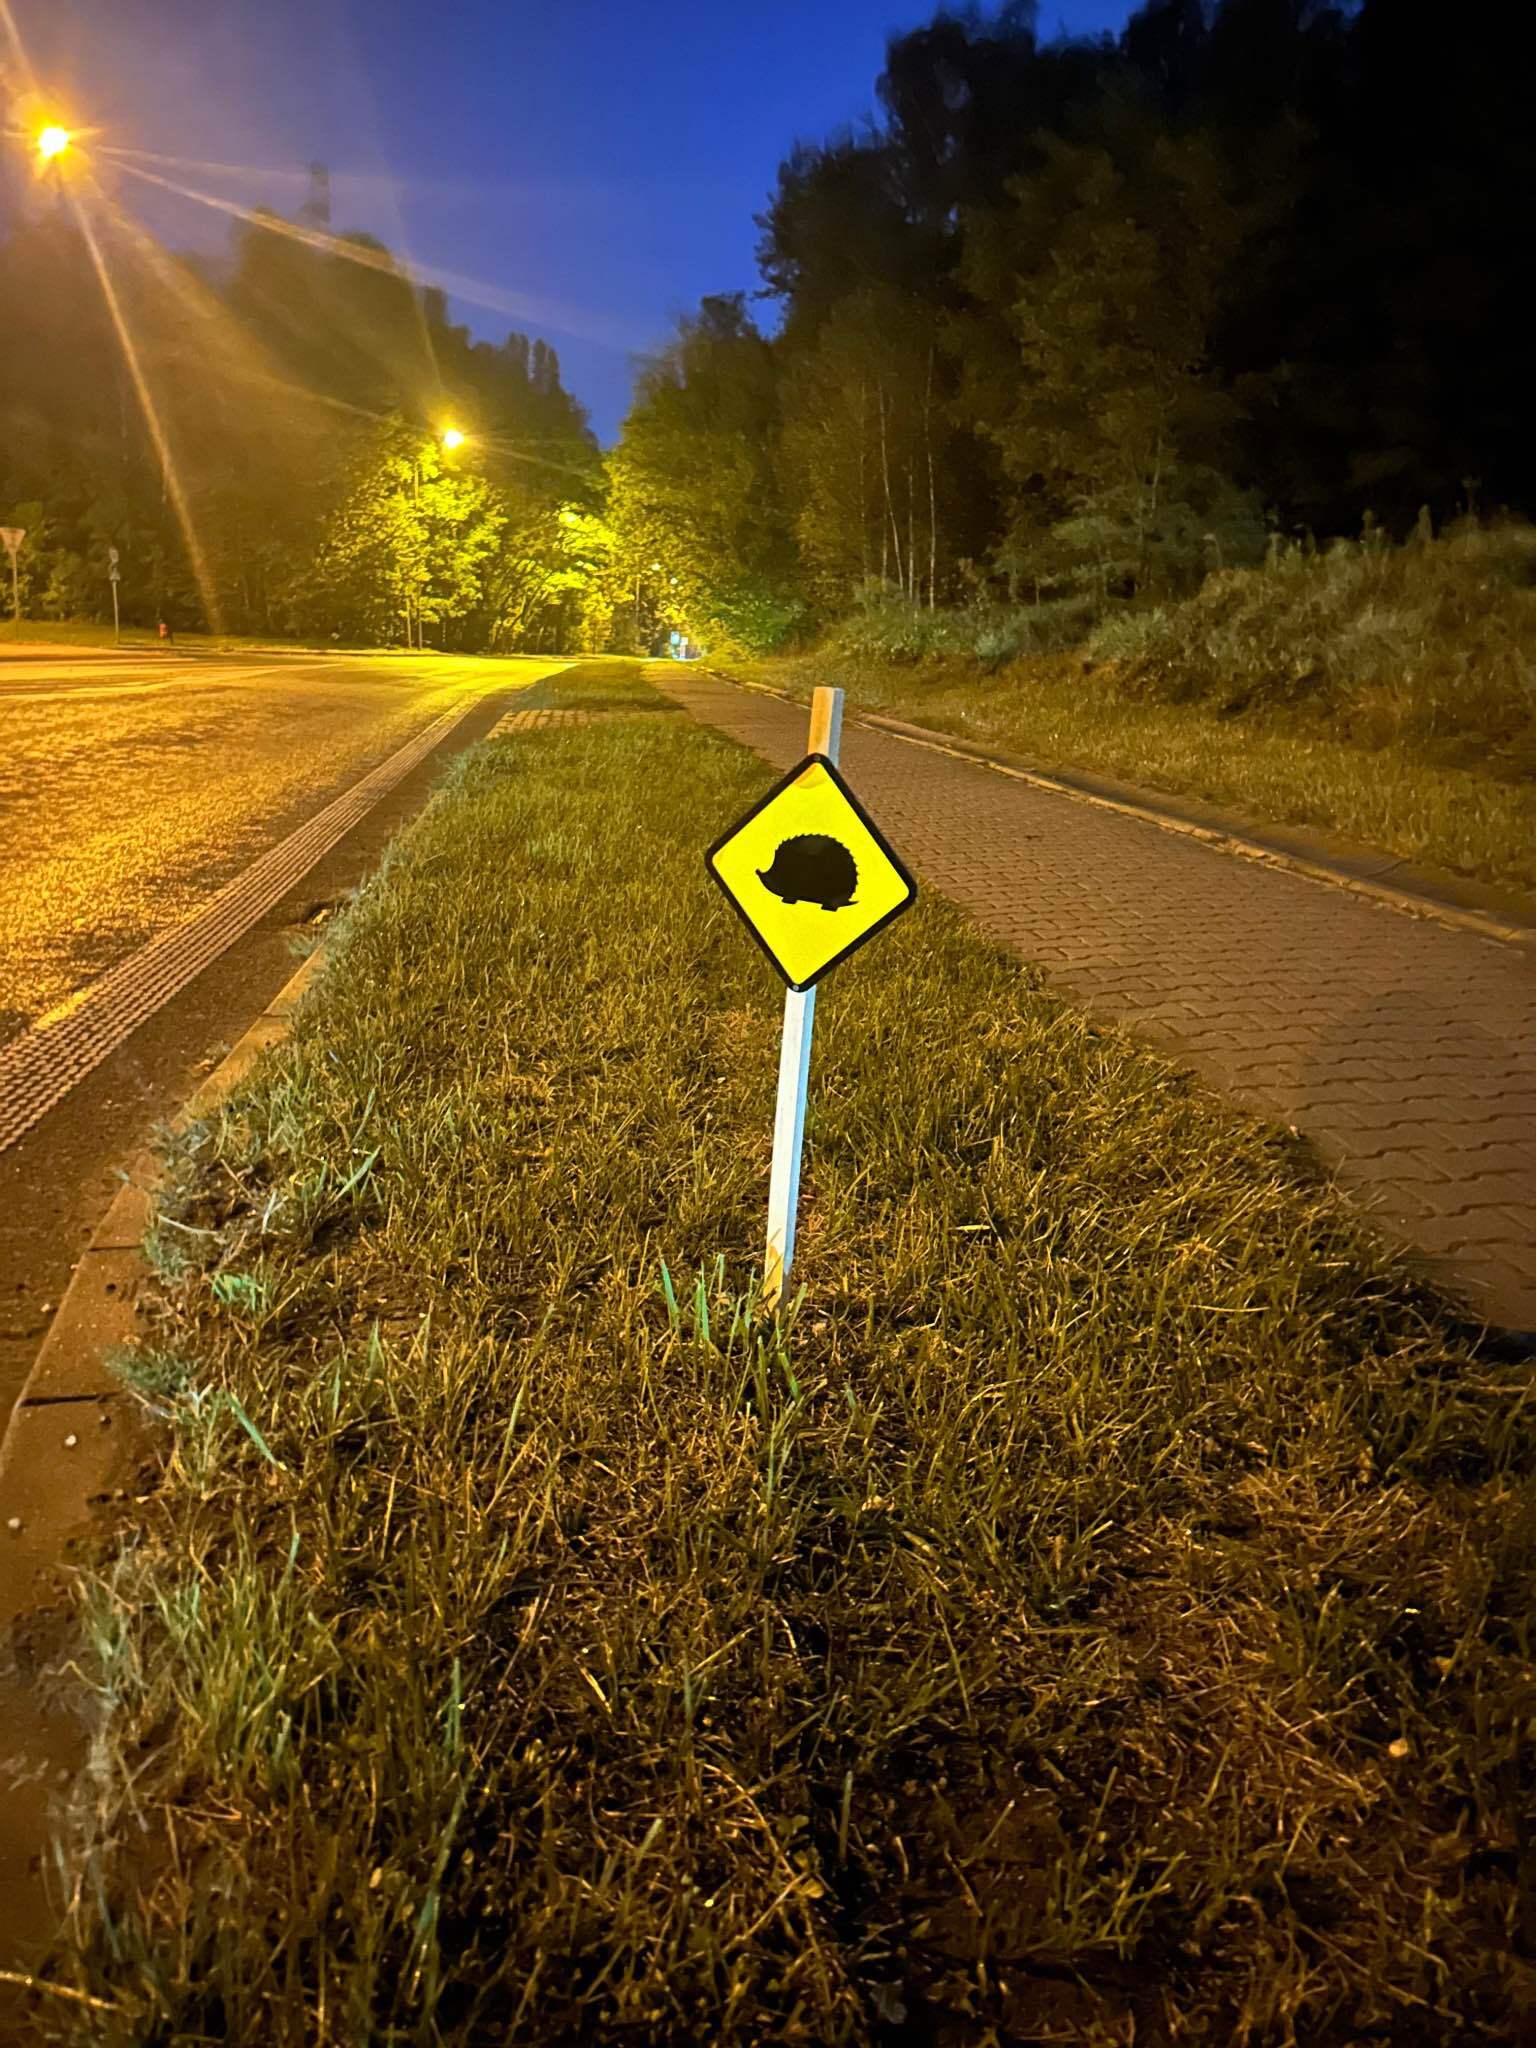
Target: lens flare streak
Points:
(595, 328)
(207, 592)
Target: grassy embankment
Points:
(1384, 695)
(1101, 1605)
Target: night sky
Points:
(596, 164)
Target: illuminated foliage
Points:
(296, 390)
(692, 488)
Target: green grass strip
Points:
(1099, 1612)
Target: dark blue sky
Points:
(595, 164)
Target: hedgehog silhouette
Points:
(811, 868)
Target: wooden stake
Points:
(795, 1063)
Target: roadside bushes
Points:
(1429, 643)
(993, 634)
(750, 616)
(1128, 633)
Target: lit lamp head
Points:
(52, 141)
(452, 438)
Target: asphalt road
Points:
(131, 789)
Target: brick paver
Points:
(1401, 1046)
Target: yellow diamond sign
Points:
(809, 874)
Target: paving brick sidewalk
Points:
(1402, 1047)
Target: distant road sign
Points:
(11, 538)
(112, 556)
(809, 873)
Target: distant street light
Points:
(52, 141)
(452, 438)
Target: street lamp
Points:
(52, 141)
(452, 438)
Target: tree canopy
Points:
(1102, 312)
(1071, 316)
(302, 386)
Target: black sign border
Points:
(875, 832)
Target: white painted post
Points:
(795, 1064)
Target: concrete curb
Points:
(75, 1442)
(1446, 899)
(78, 1450)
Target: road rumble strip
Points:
(40, 1066)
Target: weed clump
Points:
(992, 634)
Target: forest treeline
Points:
(1070, 325)
(1078, 322)
(299, 482)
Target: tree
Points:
(555, 584)
(408, 547)
(693, 491)
(1101, 285)
(868, 450)
(1078, 308)
(271, 378)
